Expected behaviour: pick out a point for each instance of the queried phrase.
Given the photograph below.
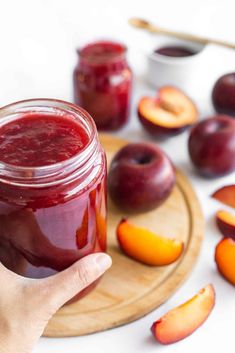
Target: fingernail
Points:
(103, 261)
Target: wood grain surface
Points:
(130, 290)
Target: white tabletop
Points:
(38, 40)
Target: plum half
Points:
(168, 114)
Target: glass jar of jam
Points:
(103, 83)
(52, 187)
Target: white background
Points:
(38, 41)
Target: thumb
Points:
(65, 285)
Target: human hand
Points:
(26, 305)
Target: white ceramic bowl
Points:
(182, 72)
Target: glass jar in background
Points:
(52, 187)
(103, 83)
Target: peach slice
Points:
(225, 259)
(226, 195)
(167, 114)
(226, 223)
(145, 246)
(182, 321)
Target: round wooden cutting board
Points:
(130, 290)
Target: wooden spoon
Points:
(148, 26)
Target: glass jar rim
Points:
(42, 171)
(108, 59)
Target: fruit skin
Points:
(226, 223)
(226, 195)
(147, 247)
(168, 114)
(182, 321)
(225, 259)
(211, 146)
(223, 94)
(141, 177)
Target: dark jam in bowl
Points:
(103, 83)
(52, 188)
(175, 51)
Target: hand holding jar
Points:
(52, 187)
